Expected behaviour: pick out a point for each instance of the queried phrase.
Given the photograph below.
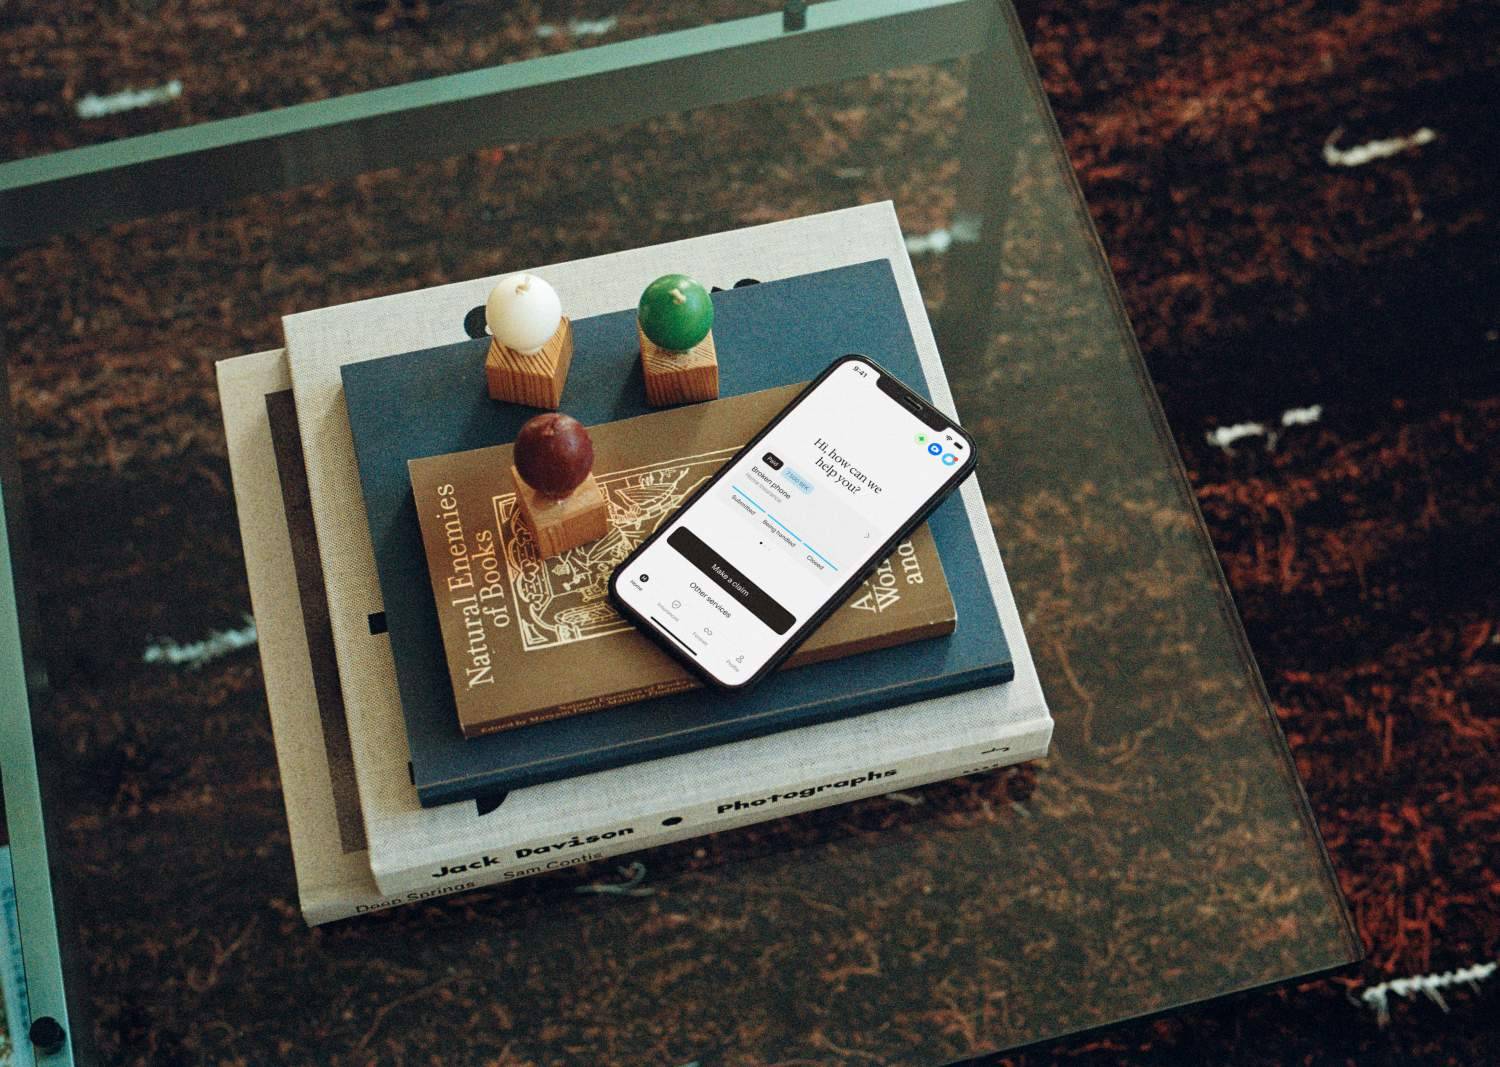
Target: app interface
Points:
(741, 569)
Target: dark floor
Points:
(1264, 281)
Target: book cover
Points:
(773, 334)
(529, 639)
(403, 836)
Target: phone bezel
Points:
(908, 398)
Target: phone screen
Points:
(783, 531)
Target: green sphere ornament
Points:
(676, 312)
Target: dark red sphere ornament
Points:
(554, 454)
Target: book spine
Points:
(506, 861)
(920, 630)
(818, 711)
(330, 904)
(484, 727)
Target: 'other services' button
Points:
(745, 592)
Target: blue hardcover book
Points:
(433, 402)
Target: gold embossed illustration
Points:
(564, 599)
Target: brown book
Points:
(529, 639)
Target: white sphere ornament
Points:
(523, 312)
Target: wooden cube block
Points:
(535, 379)
(679, 377)
(561, 523)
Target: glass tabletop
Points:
(1162, 854)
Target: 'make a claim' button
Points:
(726, 576)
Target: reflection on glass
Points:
(82, 75)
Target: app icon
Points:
(934, 448)
(949, 459)
(921, 438)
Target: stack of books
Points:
(923, 675)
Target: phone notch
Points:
(911, 402)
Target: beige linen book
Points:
(317, 774)
(410, 845)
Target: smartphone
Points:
(746, 569)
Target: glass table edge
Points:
(1168, 1011)
(1178, 473)
(41, 951)
(269, 151)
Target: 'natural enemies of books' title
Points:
(476, 586)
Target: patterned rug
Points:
(1299, 209)
(1300, 206)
